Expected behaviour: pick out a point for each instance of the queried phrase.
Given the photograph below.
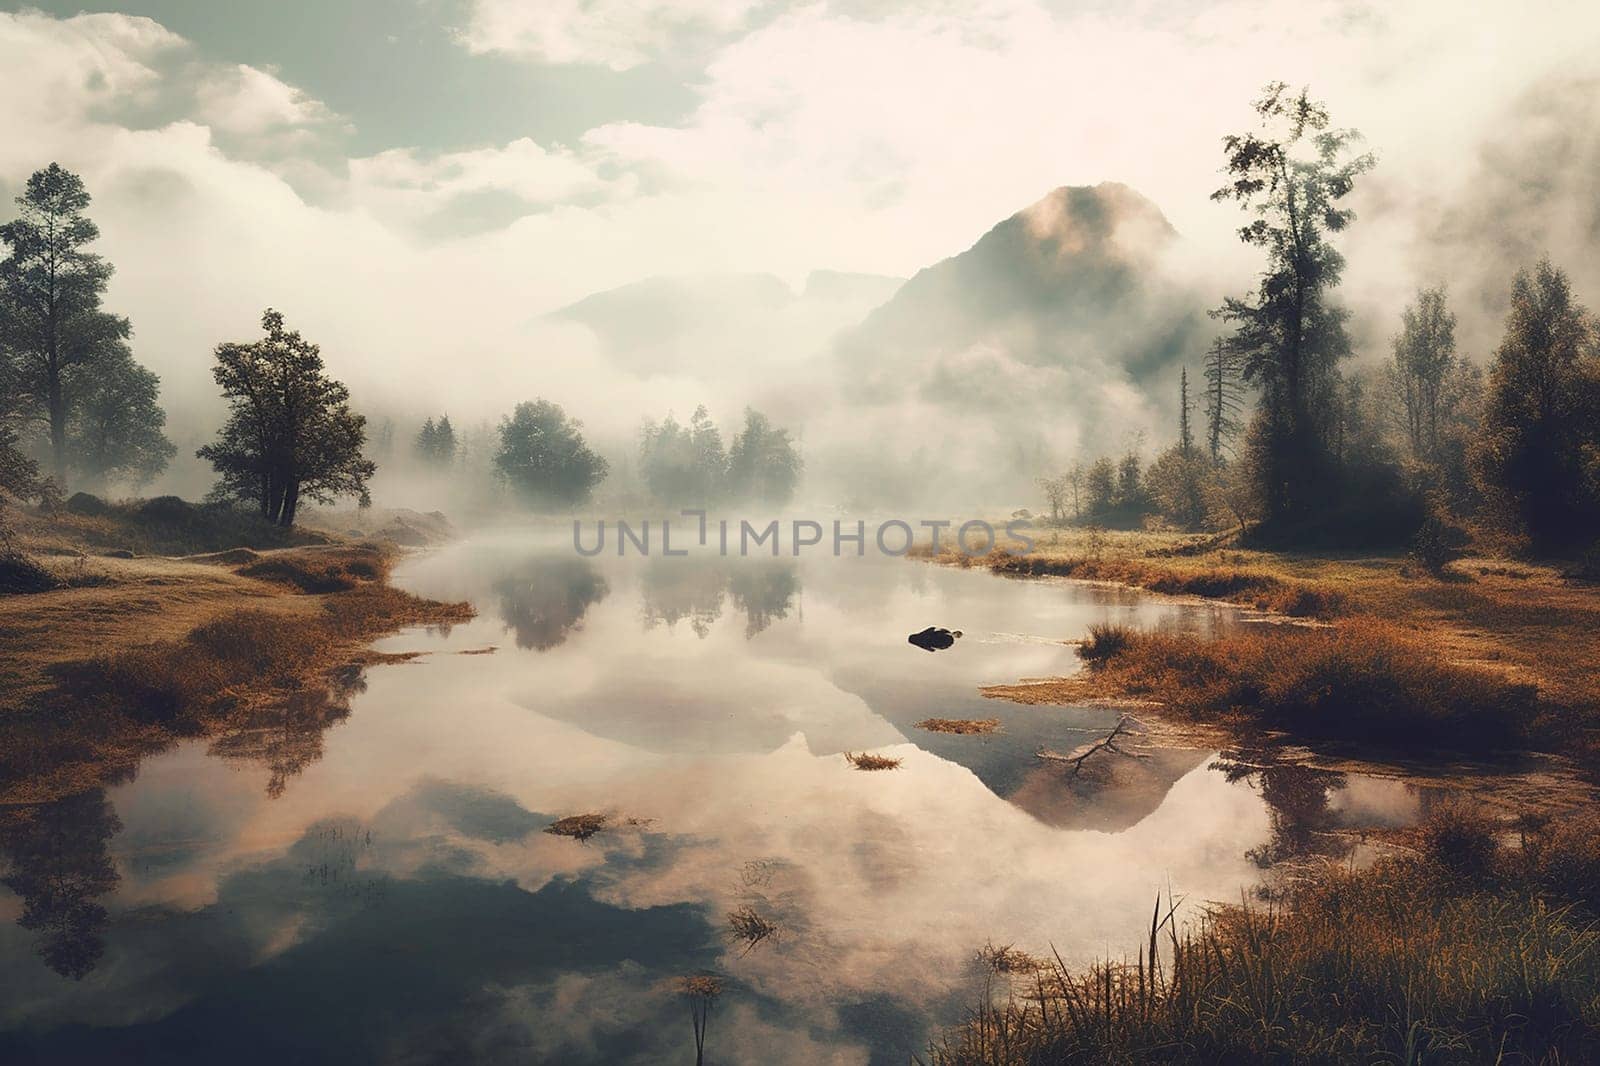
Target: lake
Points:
(370, 880)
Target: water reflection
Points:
(287, 737)
(1312, 811)
(392, 895)
(545, 599)
(694, 588)
(57, 860)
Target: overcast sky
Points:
(414, 181)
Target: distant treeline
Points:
(1296, 449)
(73, 397)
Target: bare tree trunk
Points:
(291, 503)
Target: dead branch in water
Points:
(1077, 756)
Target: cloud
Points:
(878, 138)
(614, 33)
(250, 102)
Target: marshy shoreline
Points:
(1470, 936)
(127, 654)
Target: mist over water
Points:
(334, 887)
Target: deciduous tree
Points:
(290, 435)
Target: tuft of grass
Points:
(1364, 680)
(867, 761)
(749, 927)
(1006, 959)
(1401, 962)
(579, 826)
(1460, 840)
(317, 572)
(1106, 640)
(960, 726)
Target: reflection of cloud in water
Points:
(435, 909)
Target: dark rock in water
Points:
(934, 638)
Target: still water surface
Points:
(377, 886)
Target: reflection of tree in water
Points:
(763, 592)
(678, 588)
(287, 737)
(1297, 804)
(547, 599)
(56, 859)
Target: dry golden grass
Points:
(960, 726)
(1470, 951)
(95, 678)
(1007, 959)
(867, 761)
(579, 826)
(1364, 680)
(1524, 621)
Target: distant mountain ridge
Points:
(684, 323)
(1071, 281)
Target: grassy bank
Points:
(1364, 681)
(1465, 950)
(1526, 623)
(97, 677)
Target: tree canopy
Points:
(290, 435)
(59, 349)
(544, 458)
(1291, 175)
(763, 464)
(1538, 453)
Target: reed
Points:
(1406, 962)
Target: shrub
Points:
(168, 509)
(1459, 840)
(1430, 547)
(1364, 680)
(85, 503)
(1106, 640)
(20, 575)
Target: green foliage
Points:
(1291, 174)
(60, 352)
(763, 463)
(115, 431)
(436, 442)
(684, 464)
(1180, 484)
(543, 456)
(291, 434)
(687, 464)
(1538, 449)
(1424, 358)
(1101, 486)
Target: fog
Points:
(809, 236)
